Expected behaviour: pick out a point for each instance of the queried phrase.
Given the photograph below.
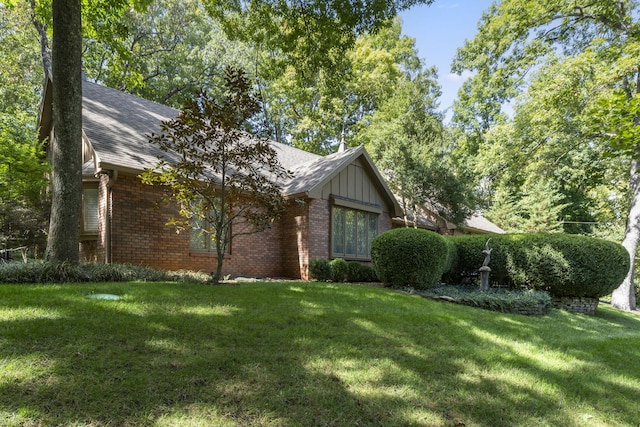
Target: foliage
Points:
(529, 302)
(320, 270)
(409, 256)
(315, 111)
(359, 272)
(275, 354)
(226, 181)
(311, 35)
(562, 264)
(408, 142)
(173, 50)
(538, 209)
(339, 270)
(586, 55)
(40, 271)
(24, 204)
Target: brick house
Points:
(336, 203)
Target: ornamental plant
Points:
(409, 257)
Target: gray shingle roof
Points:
(119, 124)
(480, 223)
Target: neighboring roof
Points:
(479, 223)
(419, 217)
(476, 223)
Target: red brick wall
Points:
(294, 239)
(139, 236)
(319, 231)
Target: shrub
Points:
(38, 271)
(528, 302)
(408, 256)
(452, 255)
(339, 270)
(562, 264)
(320, 270)
(358, 272)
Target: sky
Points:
(439, 30)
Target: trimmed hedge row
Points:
(411, 257)
(562, 264)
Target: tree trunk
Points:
(66, 148)
(624, 296)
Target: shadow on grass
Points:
(302, 355)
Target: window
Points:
(89, 211)
(352, 232)
(203, 242)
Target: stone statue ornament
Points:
(487, 253)
(485, 269)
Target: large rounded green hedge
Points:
(562, 264)
(410, 257)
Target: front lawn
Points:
(305, 354)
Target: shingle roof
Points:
(118, 126)
(480, 223)
(315, 172)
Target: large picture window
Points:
(352, 232)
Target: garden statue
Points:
(485, 269)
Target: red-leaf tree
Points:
(219, 174)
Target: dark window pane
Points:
(350, 232)
(362, 233)
(338, 230)
(373, 231)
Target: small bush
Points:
(339, 270)
(320, 270)
(408, 256)
(562, 264)
(358, 272)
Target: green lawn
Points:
(305, 354)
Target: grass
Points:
(304, 354)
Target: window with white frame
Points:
(89, 211)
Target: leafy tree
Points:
(313, 35)
(313, 112)
(222, 177)
(173, 49)
(408, 142)
(23, 201)
(538, 210)
(600, 41)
